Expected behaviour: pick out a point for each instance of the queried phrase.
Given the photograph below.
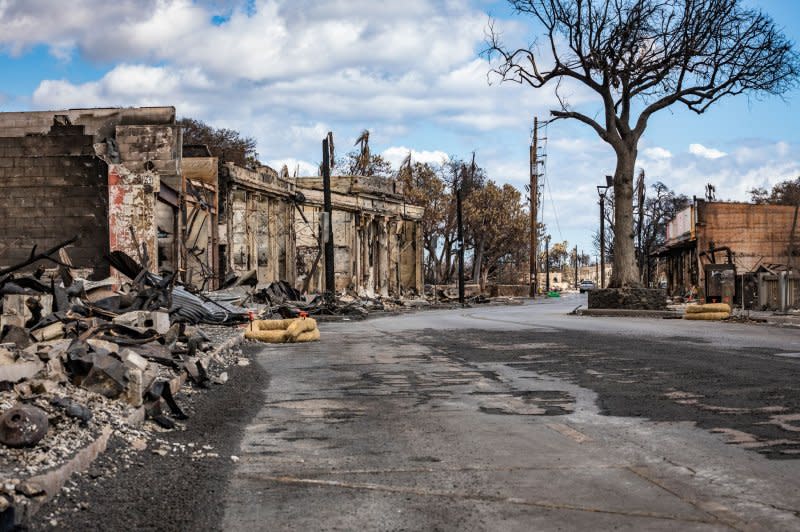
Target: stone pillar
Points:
(132, 204)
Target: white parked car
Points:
(586, 284)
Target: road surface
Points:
(524, 418)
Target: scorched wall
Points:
(52, 187)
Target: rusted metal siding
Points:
(757, 234)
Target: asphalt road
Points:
(525, 418)
(489, 418)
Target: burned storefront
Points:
(376, 235)
(712, 242)
(270, 227)
(257, 216)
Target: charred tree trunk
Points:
(477, 260)
(625, 271)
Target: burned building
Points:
(257, 224)
(271, 227)
(91, 173)
(709, 236)
(122, 179)
(376, 234)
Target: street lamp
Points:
(601, 191)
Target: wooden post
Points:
(547, 262)
(330, 279)
(576, 267)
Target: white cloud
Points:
(397, 154)
(124, 85)
(764, 165)
(301, 168)
(276, 39)
(657, 153)
(706, 153)
(578, 145)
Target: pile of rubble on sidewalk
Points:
(80, 358)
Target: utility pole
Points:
(460, 246)
(640, 252)
(547, 262)
(534, 193)
(327, 226)
(459, 220)
(602, 241)
(576, 267)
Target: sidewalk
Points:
(677, 311)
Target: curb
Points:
(625, 313)
(54, 480)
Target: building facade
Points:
(746, 235)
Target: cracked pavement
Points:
(522, 418)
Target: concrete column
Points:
(132, 204)
(383, 250)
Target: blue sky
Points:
(288, 71)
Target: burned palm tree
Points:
(364, 157)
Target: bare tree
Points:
(644, 56)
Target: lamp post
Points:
(601, 191)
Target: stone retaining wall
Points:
(628, 298)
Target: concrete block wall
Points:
(156, 148)
(52, 188)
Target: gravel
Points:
(171, 480)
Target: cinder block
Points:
(141, 319)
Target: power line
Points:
(547, 181)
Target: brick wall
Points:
(52, 187)
(757, 234)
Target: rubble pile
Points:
(79, 357)
(279, 300)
